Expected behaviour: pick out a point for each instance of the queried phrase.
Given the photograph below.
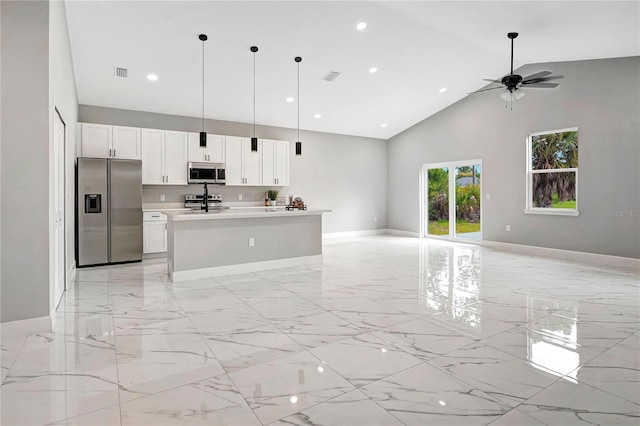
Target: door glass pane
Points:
(438, 201)
(468, 201)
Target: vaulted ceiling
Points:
(418, 48)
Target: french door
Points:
(451, 200)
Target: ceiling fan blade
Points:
(484, 90)
(537, 75)
(493, 81)
(541, 85)
(540, 80)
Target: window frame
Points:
(529, 208)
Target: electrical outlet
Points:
(488, 195)
(252, 242)
(162, 197)
(508, 228)
(239, 197)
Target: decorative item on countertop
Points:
(281, 201)
(296, 204)
(266, 198)
(272, 194)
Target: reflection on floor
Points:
(387, 331)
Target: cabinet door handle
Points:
(114, 152)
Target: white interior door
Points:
(58, 216)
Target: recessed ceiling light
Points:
(444, 89)
(317, 116)
(293, 399)
(383, 125)
(361, 26)
(152, 77)
(372, 70)
(289, 99)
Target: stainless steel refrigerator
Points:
(108, 211)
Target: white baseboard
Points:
(401, 233)
(576, 256)
(244, 268)
(26, 327)
(350, 234)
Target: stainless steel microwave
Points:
(206, 173)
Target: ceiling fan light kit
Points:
(513, 84)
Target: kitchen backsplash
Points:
(175, 194)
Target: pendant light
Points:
(203, 134)
(254, 139)
(298, 59)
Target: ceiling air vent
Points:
(121, 72)
(331, 75)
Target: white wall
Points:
(65, 99)
(600, 97)
(347, 174)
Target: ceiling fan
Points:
(514, 83)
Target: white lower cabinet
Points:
(154, 232)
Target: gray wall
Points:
(25, 144)
(600, 97)
(344, 173)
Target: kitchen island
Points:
(226, 242)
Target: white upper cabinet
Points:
(243, 166)
(175, 160)
(275, 162)
(214, 152)
(96, 140)
(164, 157)
(152, 157)
(126, 143)
(104, 141)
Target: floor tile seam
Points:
(474, 386)
(519, 411)
(498, 348)
(591, 385)
(147, 395)
(331, 399)
(559, 381)
(235, 385)
(266, 322)
(84, 414)
(204, 341)
(19, 350)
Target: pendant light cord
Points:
(298, 101)
(254, 94)
(203, 85)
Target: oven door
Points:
(202, 172)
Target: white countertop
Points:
(240, 213)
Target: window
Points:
(552, 172)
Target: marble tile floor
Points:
(386, 331)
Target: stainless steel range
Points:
(196, 202)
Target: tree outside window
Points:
(552, 181)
